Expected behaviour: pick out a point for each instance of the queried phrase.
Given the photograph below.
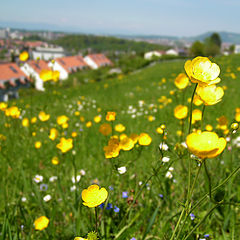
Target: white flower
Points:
(78, 177)
(53, 178)
(24, 199)
(73, 188)
(140, 183)
(165, 159)
(47, 198)
(184, 144)
(82, 172)
(73, 152)
(122, 170)
(169, 175)
(171, 169)
(38, 178)
(163, 146)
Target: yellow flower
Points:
(151, 118)
(53, 134)
(13, 112)
(23, 56)
(209, 127)
(197, 100)
(201, 70)
(235, 126)
(46, 75)
(3, 106)
(126, 144)
(237, 116)
(111, 116)
(120, 128)
(74, 134)
(222, 123)
(55, 161)
(196, 115)
(43, 116)
(144, 139)
(55, 75)
(41, 223)
(25, 122)
(38, 144)
(88, 124)
(112, 149)
(62, 120)
(159, 130)
(210, 95)
(181, 81)
(205, 144)
(93, 196)
(97, 119)
(80, 238)
(180, 112)
(34, 119)
(105, 129)
(65, 144)
(77, 113)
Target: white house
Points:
(33, 69)
(69, 64)
(48, 53)
(172, 52)
(151, 54)
(11, 79)
(96, 61)
(237, 49)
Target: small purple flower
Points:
(101, 205)
(109, 206)
(192, 216)
(124, 194)
(43, 187)
(160, 195)
(133, 238)
(206, 235)
(111, 188)
(116, 209)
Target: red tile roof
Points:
(100, 59)
(70, 63)
(9, 72)
(33, 44)
(1, 42)
(38, 65)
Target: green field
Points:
(143, 101)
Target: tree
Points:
(197, 49)
(216, 39)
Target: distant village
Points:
(15, 74)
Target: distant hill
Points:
(225, 36)
(79, 42)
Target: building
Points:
(96, 61)
(237, 49)
(152, 54)
(172, 52)
(48, 53)
(33, 69)
(66, 65)
(11, 79)
(35, 44)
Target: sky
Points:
(130, 17)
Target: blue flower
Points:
(133, 238)
(43, 187)
(124, 194)
(192, 216)
(101, 205)
(160, 195)
(109, 206)
(116, 209)
(206, 235)
(111, 187)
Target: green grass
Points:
(152, 217)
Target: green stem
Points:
(203, 110)
(96, 220)
(190, 124)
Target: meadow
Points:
(147, 180)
